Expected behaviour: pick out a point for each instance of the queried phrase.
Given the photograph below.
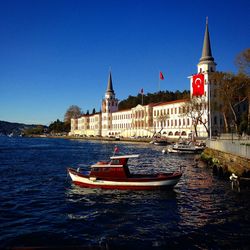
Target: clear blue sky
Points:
(57, 53)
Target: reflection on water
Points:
(40, 206)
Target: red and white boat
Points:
(115, 174)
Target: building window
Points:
(215, 120)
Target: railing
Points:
(235, 147)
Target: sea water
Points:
(40, 207)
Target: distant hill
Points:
(10, 128)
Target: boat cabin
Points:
(117, 168)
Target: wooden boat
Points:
(186, 147)
(160, 142)
(115, 174)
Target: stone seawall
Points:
(225, 164)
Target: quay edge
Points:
(224, 163)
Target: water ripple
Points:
(41, 207)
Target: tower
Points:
(206, 63)
(207, 66)
(109, 105)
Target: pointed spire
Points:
(206, 51)
(110, 85)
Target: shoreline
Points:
(135, 140)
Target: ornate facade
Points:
(167, 118)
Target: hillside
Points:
(161, 96)
(10, 128)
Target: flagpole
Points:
(159, 87)
(209, 107)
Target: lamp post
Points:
(232, 126)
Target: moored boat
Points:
(115, 174)
(161, 142)
(185, 147)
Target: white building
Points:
(167, 118)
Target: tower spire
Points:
(110, 84)
(206, 51)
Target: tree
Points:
(59, 127)
(72, 112)
(242, 61)
(37, 130)
(162, 120)
(93, 111)
(232, 92)
(161, 96)
(195, 109)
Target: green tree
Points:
(37, 130)
(161, 96)
(59, 127)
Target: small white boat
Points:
(185, 147)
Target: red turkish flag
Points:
(116, 149)
(198, 85)
(161, 76)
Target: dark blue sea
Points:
(40, 207)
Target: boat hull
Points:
(161, 181)
(185, 151)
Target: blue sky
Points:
(57, 53)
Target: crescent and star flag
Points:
(198, 85)
(161, 76)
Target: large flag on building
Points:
(161, 76)
(198, 85)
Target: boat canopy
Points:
(124, 157)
